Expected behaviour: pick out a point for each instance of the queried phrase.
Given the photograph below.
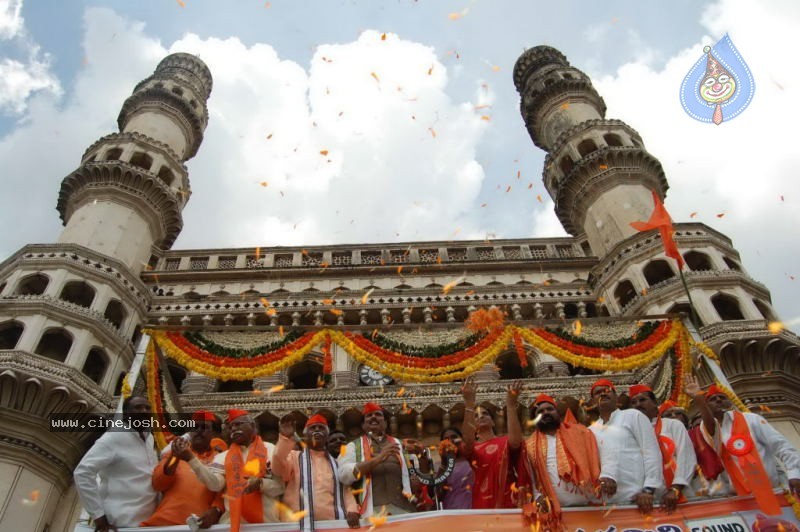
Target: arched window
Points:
(118, 385)
(624, 293)
(509, 366)
(54, 344)
(732, 264)
(571, 310)
(684, 308)
(235, 386)
(78, 292)
(612, 139)
(586, 147)
(178, 91)
(115, 313)
(697, 261)
(96, 364)
(142, 160)
(113, 154)
(727, 307)
(166, 175)
(566, 165)
(137, 335)
(657, 271)
(305, 375)
(177, 374)
(10, 332)
(765, 310)
(33, 285)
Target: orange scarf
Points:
(577, 459)
(745, 468)
(668, 463)
(250, 505)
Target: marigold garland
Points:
(793, 502)
(445, 367)
(154, 391)
(523, 360)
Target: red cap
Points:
(714, 390)
(234, 414)
(544, 398)
(636, 389)
(666, 405)
(370, 407)
(602, 382)
(317, 418)
(204, 415)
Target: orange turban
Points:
(636, 389)
(317, 419)
(371, 407)
(602, 382)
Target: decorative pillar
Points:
(516, 312)
(406, 315)
(451, 314)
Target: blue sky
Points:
(389, 178)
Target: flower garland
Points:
(523, 360)
(703, 348)
(154, 392)
(445, 367)
(428, 351)
(793, 502)
(641, 333)
(214, 348)
(327, 364)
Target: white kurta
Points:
(124, 463)
(770, 443)
(566, 492)
(629, 453)
(213, 476)
(685, 458)
(347, 464)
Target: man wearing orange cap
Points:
(182, 492)
(375, 464)
(630, 458)
(243, 471)
(677, 452)
(560, 459)
(311, 476)
(671, 410)
(748, 446)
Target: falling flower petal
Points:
(251, 468)
(296, 516)
(486, 117)
(276, 388)
(454, 16)
(358, 491)
(539, 197)
(181, 3)
(483, 205)
(576, 328)
(366, 295)
(323, 152)
(775, 327)
(263, 183)
(401, 391)
(374, 75)
(383, 37)
(720, 215)
(495, 68)
(433, 133)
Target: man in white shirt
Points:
(124, 461)
(734, 434)
(630, 459)
(677, 452)
(243, 471)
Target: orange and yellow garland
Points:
(454, 366)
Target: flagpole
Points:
(692, 310)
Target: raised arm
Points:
(283, 451)
(512, 415)
(468, 391)
(692, 389)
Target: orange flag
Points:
(661, 220)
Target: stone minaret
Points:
(70, 312)
(601, 178)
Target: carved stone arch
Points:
(729, 359)
(78, 407)
(750, 351)
(9, 387)
(55, 401)
(30, 395)
(432, 420)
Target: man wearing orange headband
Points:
(560, 459)
(311, 475)
(182, 492)
(677, 452)
(629, 454)
(375, 464)
(244, 472)
(748, 446)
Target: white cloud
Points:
(741, 168)
(10, 18)
(18, 79)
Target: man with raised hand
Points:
(311, 476)
(243, 471)
(123, 460)
(677, 452)
(630, 459)
(182, 492)
(561, 462)
(748, 446)
(375, 466)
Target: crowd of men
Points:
(649, 455)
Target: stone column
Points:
(196, 383)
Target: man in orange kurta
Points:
(183, 493)
(312, 483)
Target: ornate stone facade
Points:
(71, 312)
